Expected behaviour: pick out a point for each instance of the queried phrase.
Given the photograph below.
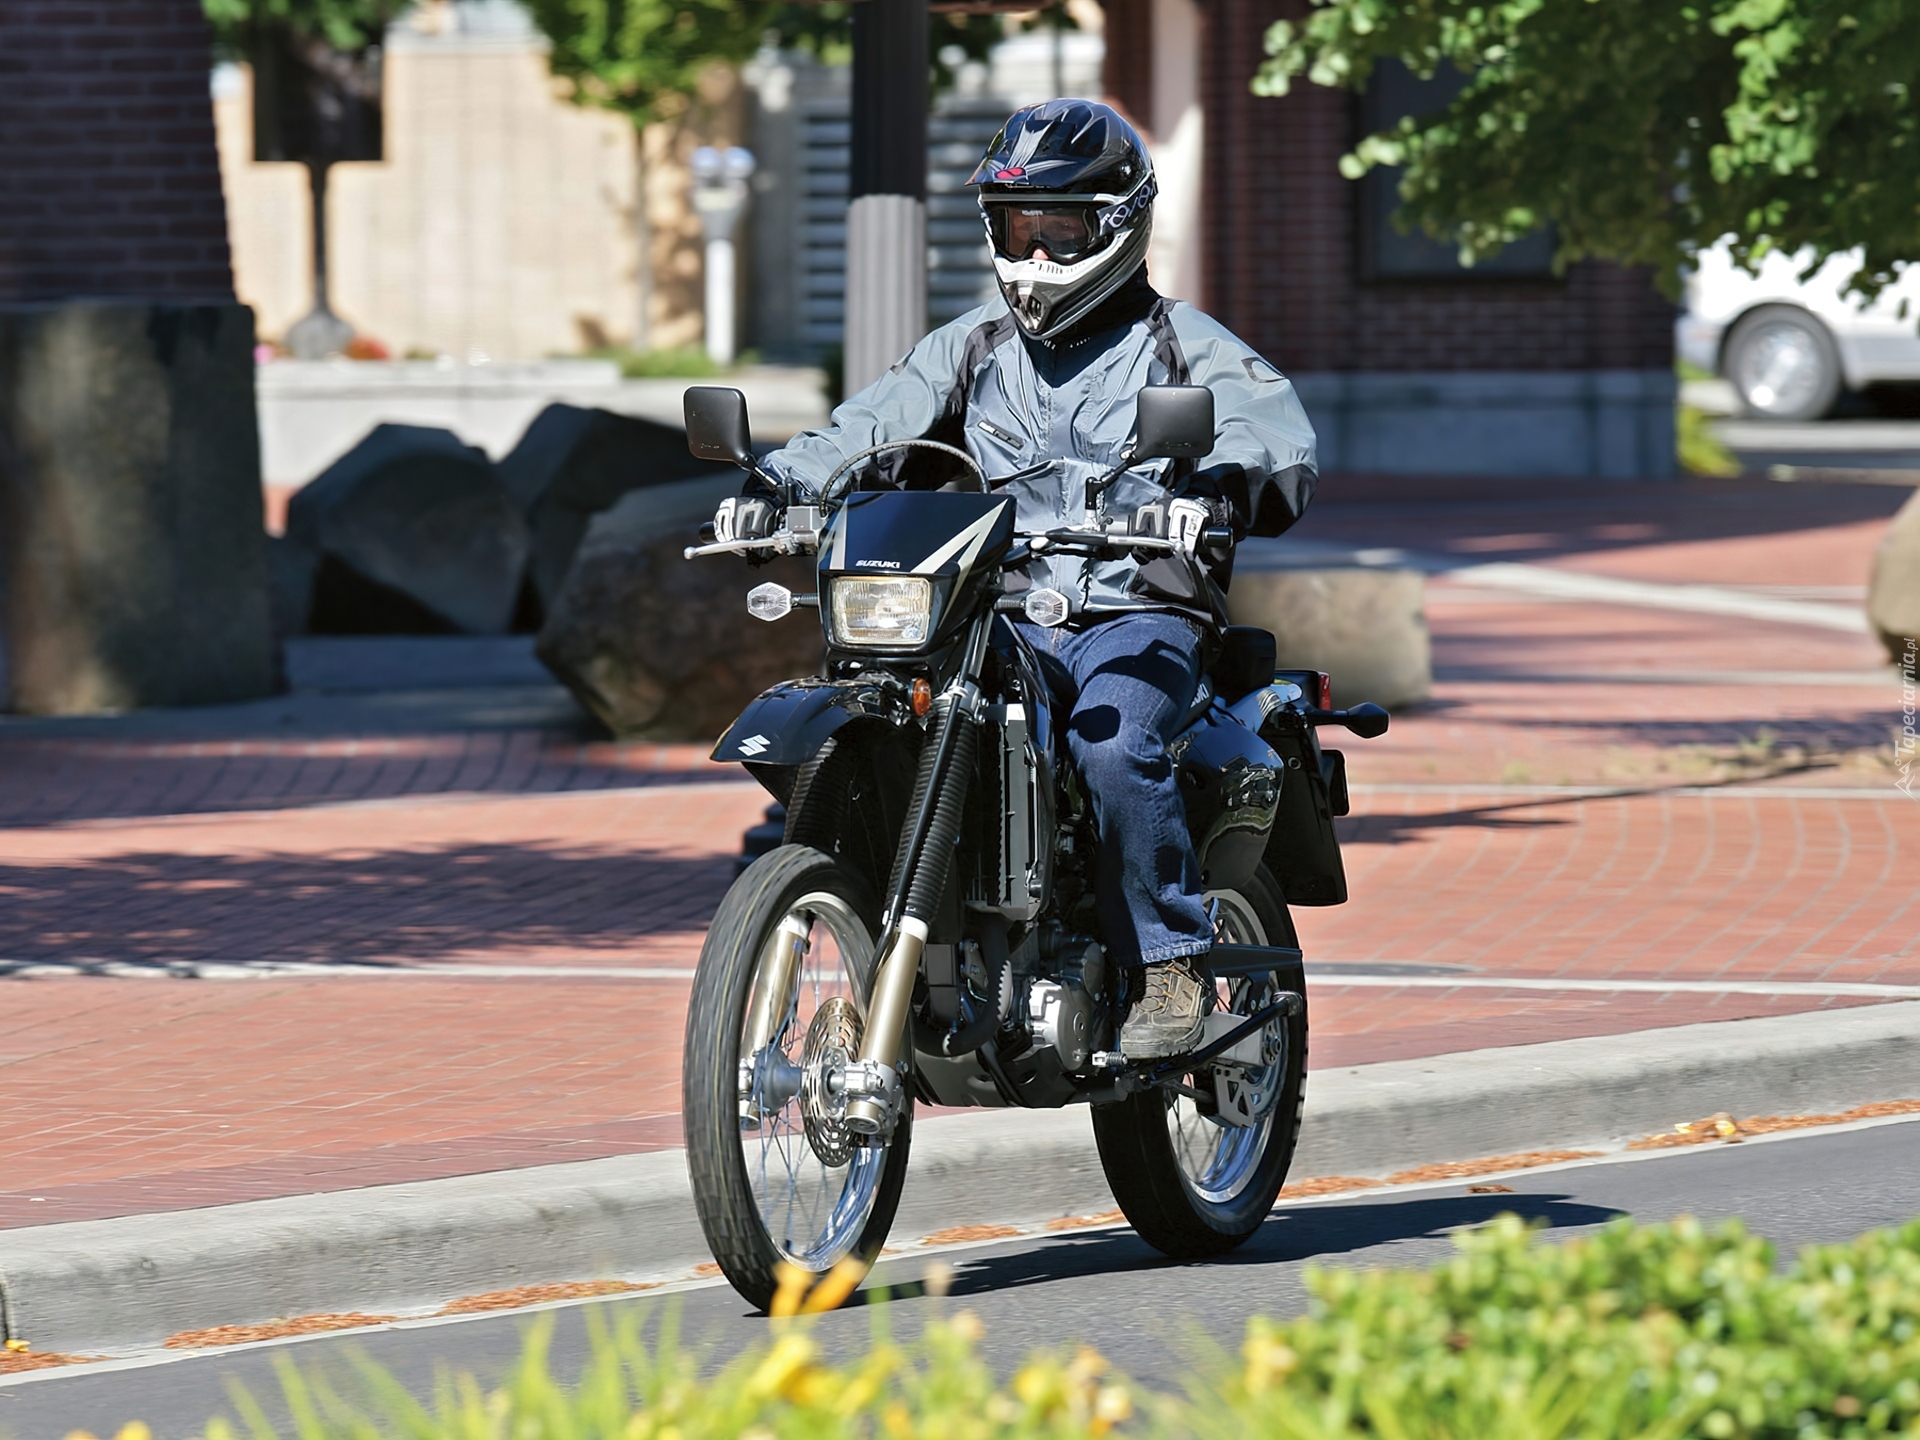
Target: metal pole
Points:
(887, 188)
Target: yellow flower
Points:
(1268, 1360)
(134, 1430)
(790, 1355)
(968, 1326)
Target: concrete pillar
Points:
(130, 507)
(887, 188)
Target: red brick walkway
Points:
(492, 910)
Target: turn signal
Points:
(922, 695)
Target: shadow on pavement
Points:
(1304, 1233)
(157, 908)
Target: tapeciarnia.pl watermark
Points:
(1909, 742)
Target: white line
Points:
(1629, 792)
(1551, 582)
(1333, 973)
(330, 970)
(1699, 599)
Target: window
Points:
(1385, 252)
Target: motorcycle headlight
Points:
(890, 613)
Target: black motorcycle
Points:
(927, 930)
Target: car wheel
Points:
(1783, 364)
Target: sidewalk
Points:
(448, 933)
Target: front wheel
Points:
(778, 1006)
(1196, 1170)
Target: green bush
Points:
(1664, 1331)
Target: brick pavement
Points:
(452, 837)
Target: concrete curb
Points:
(126, 1283)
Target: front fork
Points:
(874, 1083)
(768, 1079)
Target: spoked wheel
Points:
(778, 1006)
(1196, 1169)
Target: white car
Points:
(1789, 346)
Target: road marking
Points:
(1334, 972)
(324, 970)
(1622, 792)
(1550, 582)
(1545, 581)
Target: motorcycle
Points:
(927, 931)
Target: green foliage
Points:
(691, 361)
(1643, 130)
(1700, 451)
(1642, 1331)
(644, 57)
(344, 24)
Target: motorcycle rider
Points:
(1038, 386)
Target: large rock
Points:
(411, 530)
(1365, 627)
(1893, 595)
(573, 463)
(656, 644)
(130, 507)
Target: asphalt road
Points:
(1149, 1316)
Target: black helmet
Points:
(1069, 178)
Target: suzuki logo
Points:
(754, 745)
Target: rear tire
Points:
(763, 1193)
(1189, 1184)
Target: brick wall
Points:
(1279, 222)
(109, 181)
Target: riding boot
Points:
(1168, 1018)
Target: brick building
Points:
(132, 566)
(1406, 361)
(109, 185)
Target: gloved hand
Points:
(740, 518)
(1187, 520)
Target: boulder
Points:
(410, 531)
(652, 643)
(130, 508)
(1893, 595)
(573, 463)
(1365, 627)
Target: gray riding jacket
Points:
(1042, 420)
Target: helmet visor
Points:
(1020, 228)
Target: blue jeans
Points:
(1123, 685)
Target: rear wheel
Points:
(1196, 1170)
(778, 1001)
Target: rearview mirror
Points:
(1173, 422)
(717, 425)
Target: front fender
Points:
(787, 725)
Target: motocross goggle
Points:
(1068, 228)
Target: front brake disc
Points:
(833, 1039)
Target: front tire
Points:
(760, 1137)
(1190, 1184)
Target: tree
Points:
(1643, 131)
(644, 57)
(347, 25)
